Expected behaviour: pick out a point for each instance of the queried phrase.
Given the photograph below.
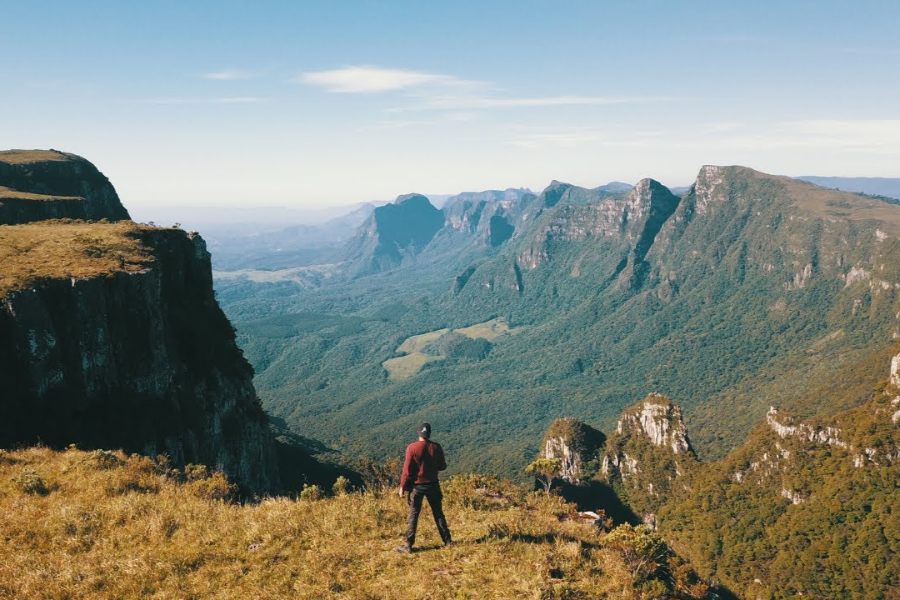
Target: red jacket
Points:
(423, 461)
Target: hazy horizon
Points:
(322, 104)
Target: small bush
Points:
(311, 493)
(642, 549)
(105, 459)
(480, 492)
(341, 486)
(194, 472)
(30, 482)
(545, 470)
(214, 487)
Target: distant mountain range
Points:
(747, 290)
(876, 186)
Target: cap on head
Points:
(424, 430)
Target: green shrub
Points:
(105, 459)
(311, 493)
(341, 486)
(214, 487)
(642, 549)
(30, 482)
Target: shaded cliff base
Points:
(103, 525)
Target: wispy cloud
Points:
(850, 136)
(387, 125)
(847, 135)
(485, 102)
(569, 139)
(368, 79)
(228, 75)
(239, 100)
(178, 101)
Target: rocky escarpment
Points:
(470, 212)
(648, 452)
(632, 221)
(392, 233)
(111, 337)
(576, 444)
(38, 185)
(799, 492)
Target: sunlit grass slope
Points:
(77, 524)
(68, 248)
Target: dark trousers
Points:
(432, 491)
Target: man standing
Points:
(424, 459)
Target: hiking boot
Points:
(405, 549)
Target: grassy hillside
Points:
(68, 248)
(103, 525)
(23, 157)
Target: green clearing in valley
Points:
(404, 367)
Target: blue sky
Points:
(331, 103)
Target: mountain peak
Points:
(659, 420)
(414, 198)
(648, 185)
(573, 442)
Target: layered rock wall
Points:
(146, 362)
(575, 443)
(39, 185)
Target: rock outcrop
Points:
(648, 453)
(786, 426)
(146, 362)
(36, 185)
(391, 233)
(119, 342)
(575, 443)
(659, 420)
(633, 220)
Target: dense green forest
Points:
(748, 291)
(803, 508)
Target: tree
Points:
(545, 470)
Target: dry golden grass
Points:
(68, 249)
(21, 157)
(404, 367)
(75, 524)
(489, 330)
(6, 193)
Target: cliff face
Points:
(38, 185)
(647, 454)
(575, 444)
(634, 219)
(392, 233)
(145, 361)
